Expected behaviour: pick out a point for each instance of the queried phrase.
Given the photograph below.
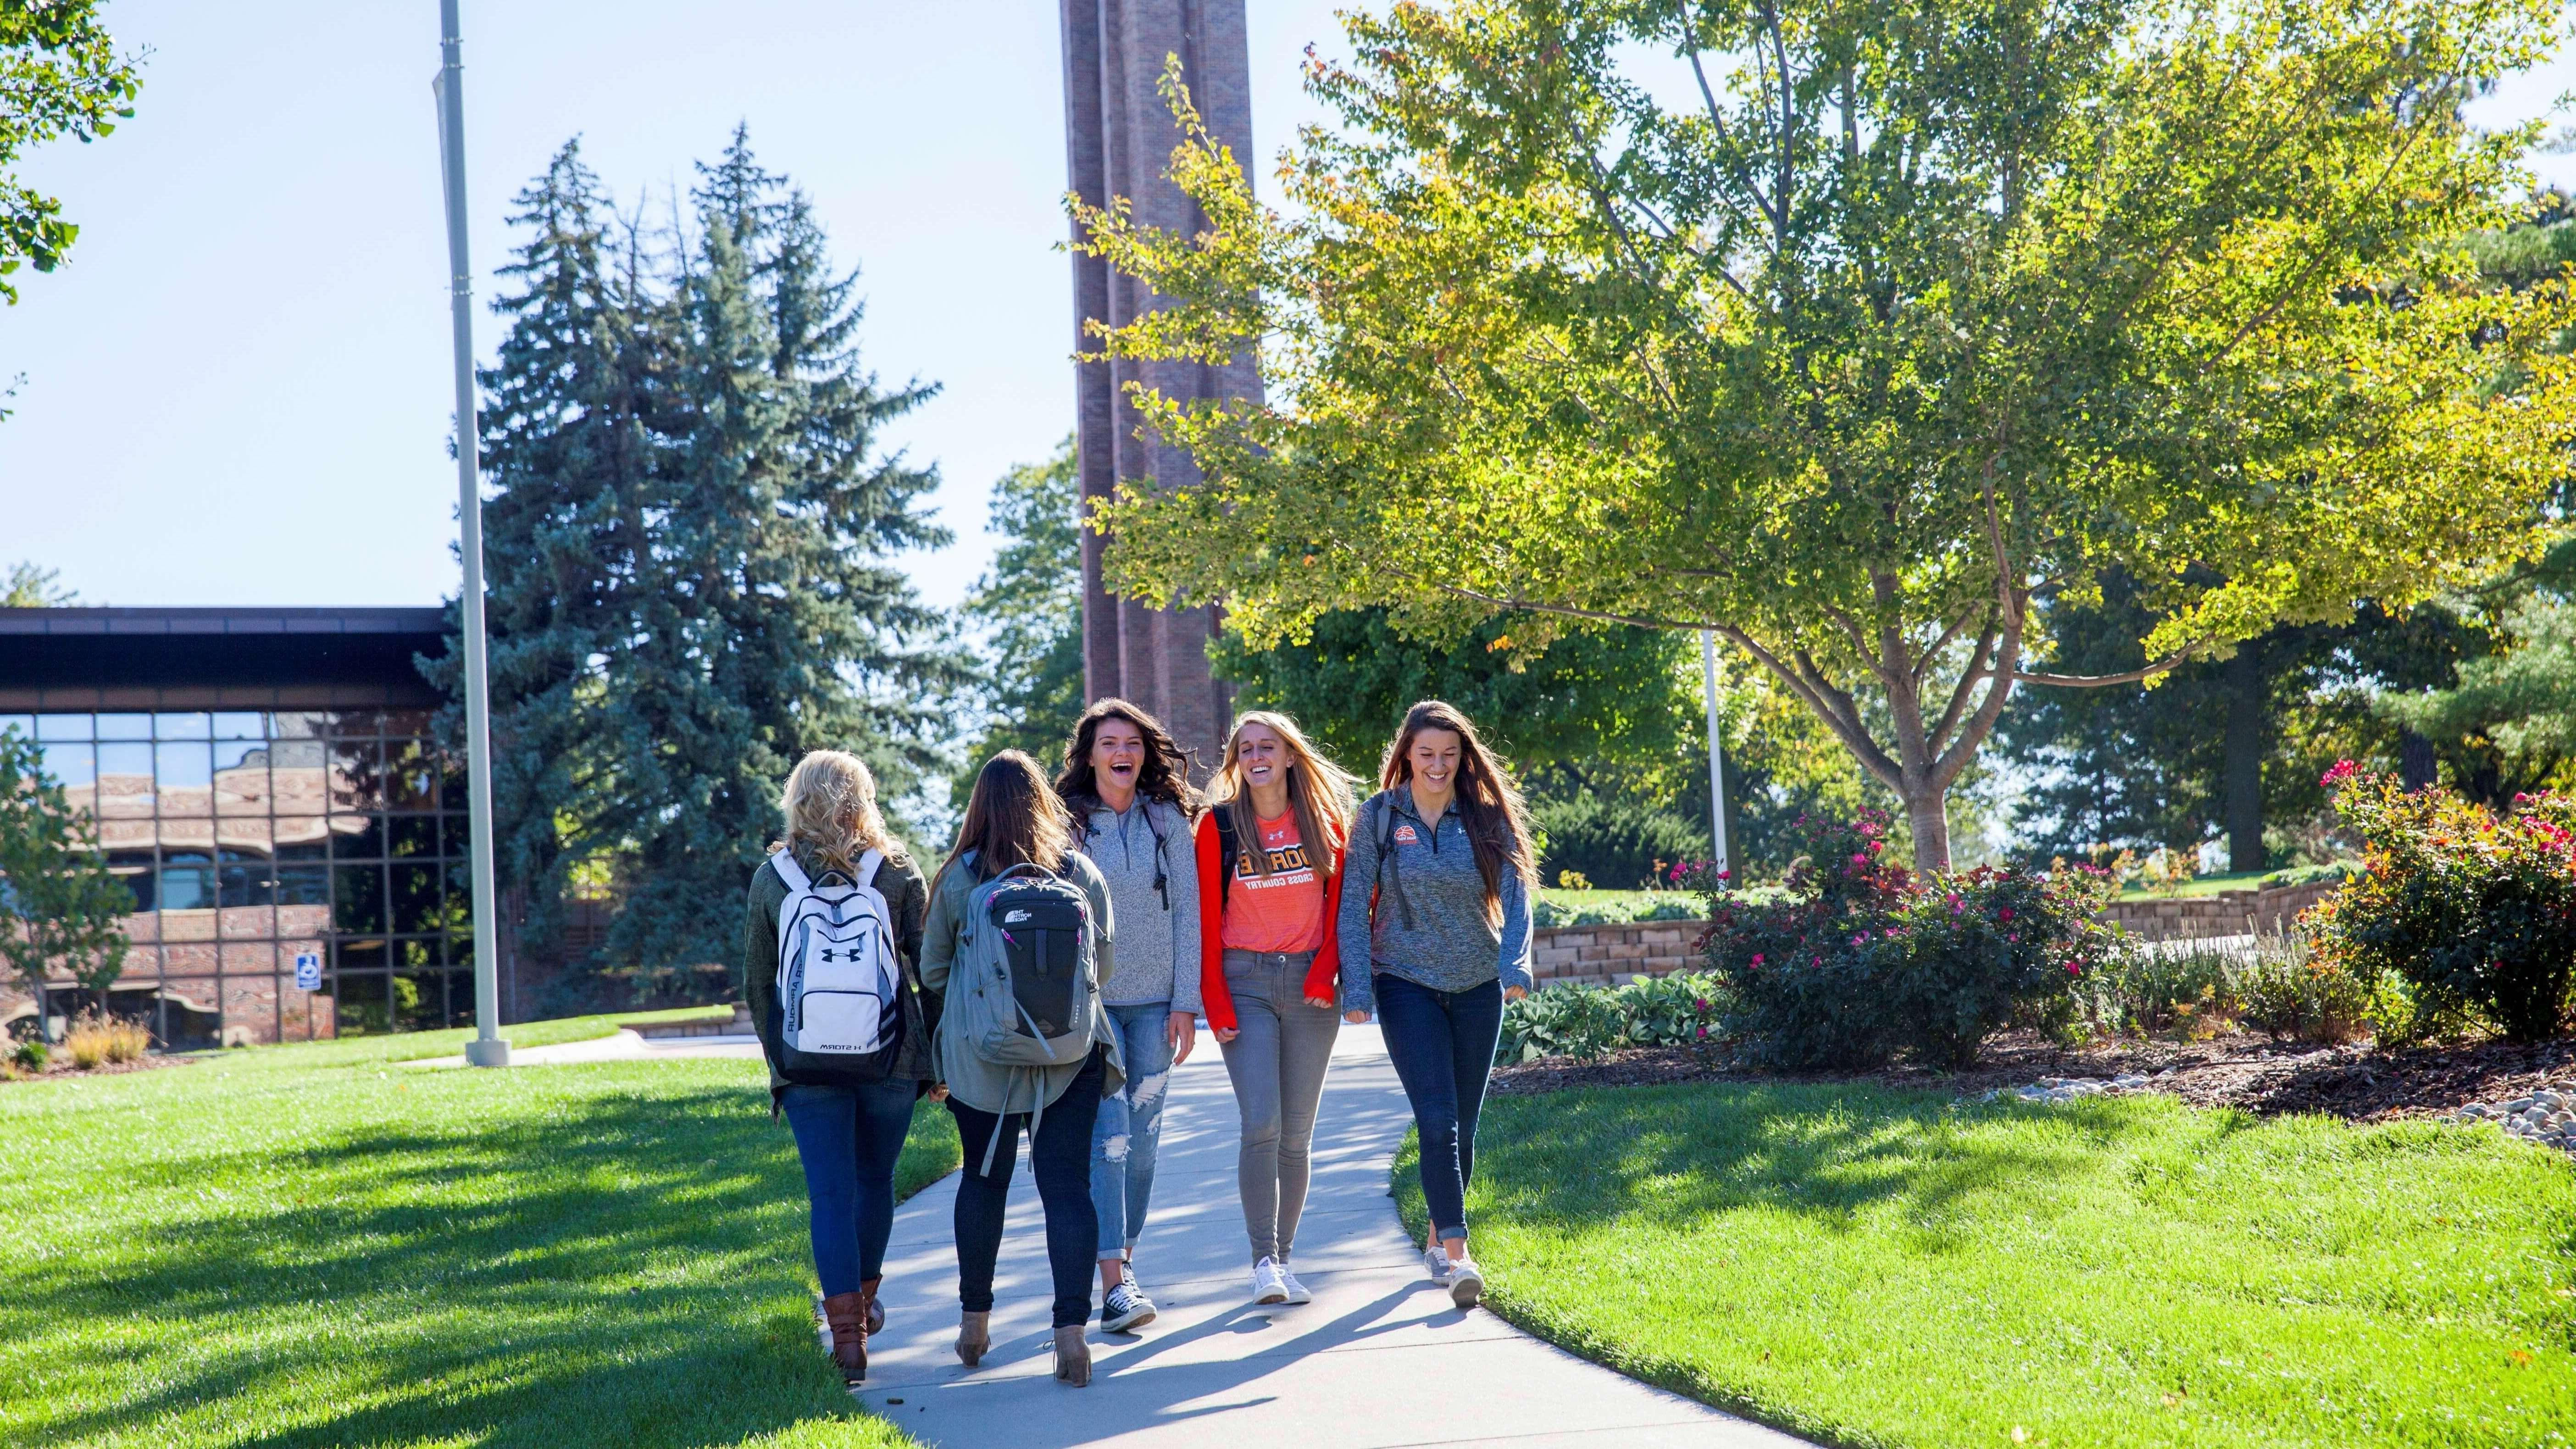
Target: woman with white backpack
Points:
(1016, 945)
(845, 1079)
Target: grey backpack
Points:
(1025, 987)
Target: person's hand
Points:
(1183, 1033)
(1224, 1034)
(1514, 993)
(1325, 1002)
(1355, 1018)
(939, 1091)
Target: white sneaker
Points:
(1297, 1292)
(1436, 1258)
(1466, 1283)
(1269, 1283)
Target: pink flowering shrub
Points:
(1859, 959)
(2475, 910)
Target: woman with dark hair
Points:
(1270, 865)
(1014, 822)
(1437, 905)
(1125, 780)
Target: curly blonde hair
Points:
(830, 809)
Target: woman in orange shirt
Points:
(1270, 881)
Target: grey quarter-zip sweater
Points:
(1158, 924)
(1413, 905)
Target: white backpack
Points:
(840, 984)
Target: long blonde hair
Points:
(1319, 792)
(830, 807)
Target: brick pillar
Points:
(1118, 141)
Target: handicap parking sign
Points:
(308, 970)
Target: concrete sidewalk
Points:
(1379, 1359)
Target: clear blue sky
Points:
(238, 391)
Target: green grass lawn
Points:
(1890, 1269)
(305, 1245)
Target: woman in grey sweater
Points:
(1127, 784)
(1436, 902)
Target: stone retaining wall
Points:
(1613, 955)
(2228, 913)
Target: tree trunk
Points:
(2416, 766)
(1927, 819)
(2243, 771)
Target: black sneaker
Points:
(1125, 1310)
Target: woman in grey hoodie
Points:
(1437, 904)
(1126, 782)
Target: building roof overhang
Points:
(174, 659)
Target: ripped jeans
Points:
(1130, 1125)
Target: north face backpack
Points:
(1025, 985)
(839, 1012)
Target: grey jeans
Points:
(1277, 1061)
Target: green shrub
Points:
(2138, 988)
(31, 1055)
(1616, 843)
(1660, 906)
(1588, 1022)
(2299, 875)
(1858, 959)
(2475, 910)
(2286, 989)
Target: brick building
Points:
(265, 782)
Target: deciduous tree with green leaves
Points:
(60, 75)
(60, 908)
(1848, 330)
(1029, 603)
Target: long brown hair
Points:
(1011, 819)
(1489, 803)
(1319, 794)
(830, 810)
(1163, 776)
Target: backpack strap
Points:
(1162, 878)
(789, 872)
(1226, 849)
(869, 865)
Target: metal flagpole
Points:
(487, 1049)
(1716, 768)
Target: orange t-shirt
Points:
(1281, 911)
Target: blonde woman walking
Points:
(1270, 875)
(1435, 922)
(846, 1078)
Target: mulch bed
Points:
(2356, 1083)
(61, 1067)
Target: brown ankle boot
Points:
(974, 1335)
(1073, 1356)
(846, 1315)
(876, 1308)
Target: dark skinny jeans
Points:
(1060, 1157)
(848, 1139)
(1442, 1045)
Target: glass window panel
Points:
(244, 879)
(357, 837)
(459, 911)
(460, 951)
(403, 722)
(125, 760)
(361, 1004)
(417, 898)
(303, 885)
(457, 837)
(62, 726)
(357, 775)
(412, 835)
(460, 998)
(187, 882)
(24, 724)
(71, 764)
(420, 1000)
(361, 955)
(125, 726)
(298, 754)
(411, 775)
(297, 725)
(187, 763)
(413, 953)
(233, 754)
(134, 867)
(241, 726)
(183, 726)
(358, 899)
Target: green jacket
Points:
(973, 1080)
(899, 881)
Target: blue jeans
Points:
(1442, 1045)
(1129, 1128)
(848, 1139)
